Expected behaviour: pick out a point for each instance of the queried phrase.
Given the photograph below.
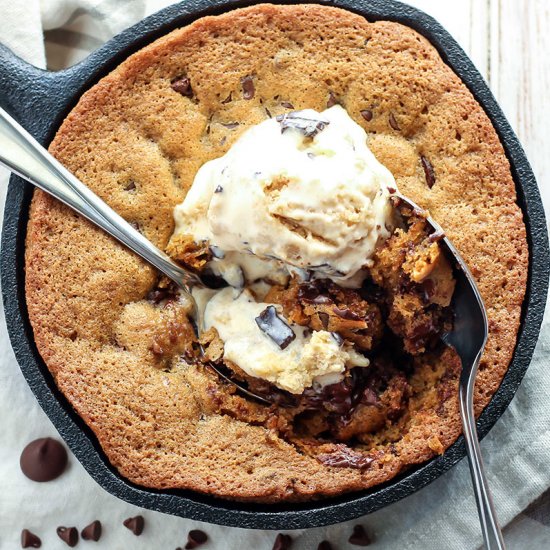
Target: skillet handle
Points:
(26, 91)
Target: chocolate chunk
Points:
(324, 318)
(158, 294)
(218, 189)
(337, 337)
(69, 535)
(228, 99)
(229, 125)
(92, 531)
(130, 187)
(393, 122)
(135, 524)
(346, 314)
(282, 542)
(195, 538)
(428, 171)
(324, 545)
(248, 87)
(29, 540)
(367, 114)
(309, 127)
(43, 459)
(182, 86)
(344, 457)
(275, 327)
(287, 105)
(332, 100)
(359, 536)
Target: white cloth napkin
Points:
(443, 515)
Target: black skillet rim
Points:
(40, 100)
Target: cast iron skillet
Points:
(40, 100)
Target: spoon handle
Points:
(487, 515)
(23, 155)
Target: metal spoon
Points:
(23, 155)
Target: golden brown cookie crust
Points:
(138, 144)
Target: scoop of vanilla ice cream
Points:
(318, 203)
(317, 358)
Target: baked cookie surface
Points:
(137, 139)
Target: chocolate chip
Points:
(393, 122)
(359, 536)
(324, 545)
(282, 542)
(92, 531)
(370, 397)
(339, 340)
(228, 99)
(182, 85)
(130, 187)
(428, 171)
(344, 457)
(218, 189)
(332, 100)
(135, 524)
(346, 314)
(324, 318)
(309, 127)
(195, 538)
(367, 114)
(248, 87)
(43, 459)
(436, 236)
(268, 113)
(229, 125)
(29, 540)
(287, 105)
(275, 327)
(69, 535)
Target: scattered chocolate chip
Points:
(43, 459)
(130, 187)
(324, 545)
(182, 86)
(428, 171)
(287, 105)
(68, 535)
(218, 189)
(346, 314)
(248, 87)
(135, 524)
(393, 122)
(92, 531)
(359, 536)
(29, 540)
(229, 125)
(157, 295)
(195, 538)
(228, 99)
(268, 113)
(367, 114)
(223, 140)
(344, 457)
(275, 327)
(337, 337)
(332, 100)
(282, 542)
(310, 127)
